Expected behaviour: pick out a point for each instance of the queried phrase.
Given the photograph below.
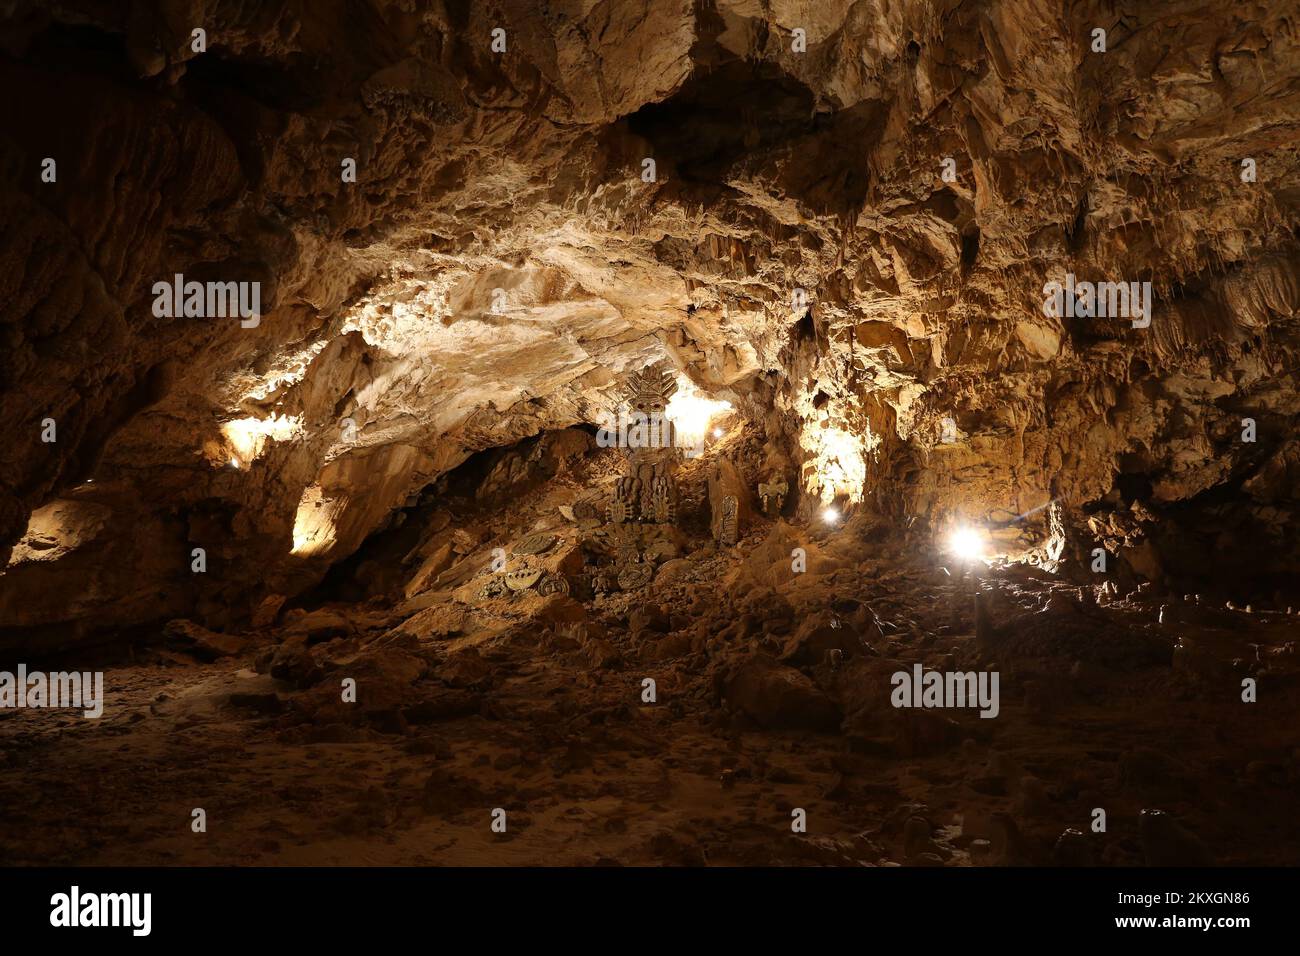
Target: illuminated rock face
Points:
(851, 238)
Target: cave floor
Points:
(588, 773)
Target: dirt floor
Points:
(772, 694)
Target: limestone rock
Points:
(780, 697)
(205, 644)
(321, 625)
(831, 278)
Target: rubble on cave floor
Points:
(770, 695)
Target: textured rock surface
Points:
(770, 693)
(500, 263)
(375, 517)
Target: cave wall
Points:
(501, 261)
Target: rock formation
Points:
(310, 313)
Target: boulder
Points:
(434, 565)
(321, 625)
(267, 611)
(816, 636)
(202, 643)
(779, 697)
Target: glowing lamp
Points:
(966, 543)
(691, 413)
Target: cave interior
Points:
(515, 433)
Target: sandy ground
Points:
(588, 774)
(534, 706)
